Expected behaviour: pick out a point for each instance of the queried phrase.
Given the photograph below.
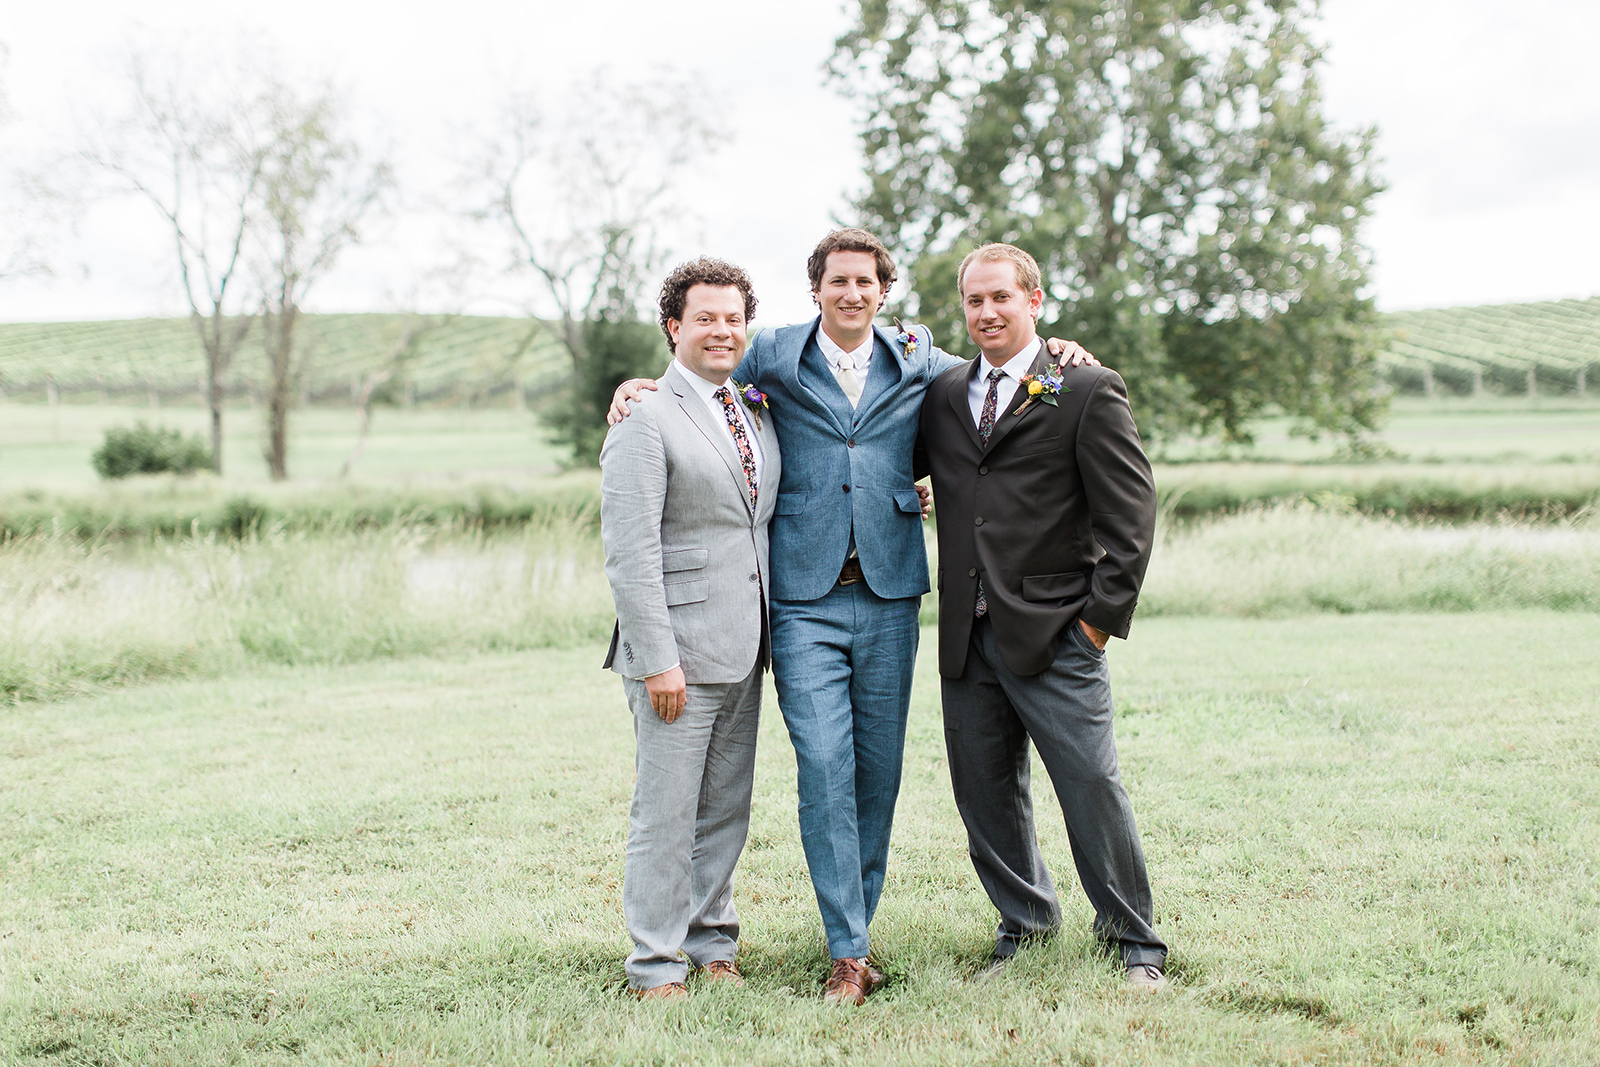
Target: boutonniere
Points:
(906, 339)
(755, 401)
(1043, 387)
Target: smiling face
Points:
(1001, 314)
(849, 295)
(709, 339)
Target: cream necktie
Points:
(848, 380)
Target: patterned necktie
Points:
(986, 427)
(741, 441)
(848, 380)
(990, 402)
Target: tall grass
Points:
(1301, 558)
(76, 616)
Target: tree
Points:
(1167, 163)
(583, 195)
(194, 145)
(317, 190)
(25, 204)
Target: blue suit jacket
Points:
(844, 470)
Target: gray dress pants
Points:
(989, 716)
(687, 827)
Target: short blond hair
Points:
(1028, 274)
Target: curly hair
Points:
(702, 271)
(852, 239)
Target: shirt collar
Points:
(1018, 365)
(832, 351)
(703, 389)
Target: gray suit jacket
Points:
(686, 555)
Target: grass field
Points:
(350, 788)
(80, 615)
(49, 447)
(1372, 840)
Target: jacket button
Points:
(978, 521)
(973, 573)
(983, 470)
(755, 578)
(851, 443)
(847, 488)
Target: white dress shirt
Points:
(833, 353)
(706, 390)
(1013, 369)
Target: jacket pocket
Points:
(1067, 586)
(684, 559)
(691, 592)
(791, 503)
(907, 501)
(1042, 444)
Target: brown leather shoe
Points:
(669, 991)
(722, 972)
(850, 981)
(875, 978)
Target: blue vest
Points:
(844, 470)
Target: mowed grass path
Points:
(1373, 839)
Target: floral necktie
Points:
(990, 402)
(985, 428)
(741, 440)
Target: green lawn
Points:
(1372, 840)
(1443, 429)
(49, 447)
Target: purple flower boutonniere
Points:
(906, 339)
(755, 401)
(1043, 387)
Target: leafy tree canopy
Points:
(1168, 164)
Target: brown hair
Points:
(1028, 274)
(852, 239)
(702, 271)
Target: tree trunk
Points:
(280, 390)
(214, 396)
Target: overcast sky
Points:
(1488, 110)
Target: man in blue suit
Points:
(849, 568)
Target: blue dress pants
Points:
(842, 665)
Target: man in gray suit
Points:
(687, 491)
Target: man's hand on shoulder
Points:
(628, 390)
(1099, 637)
(668, 694)
(1070, 353)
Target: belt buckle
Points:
(850, 574)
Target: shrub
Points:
(145, 449)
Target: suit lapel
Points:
(714, 428)
(886, 376)
(1009, 419)
(771, 464)
(799, 362)
(956, 396)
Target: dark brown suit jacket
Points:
(1057, 514)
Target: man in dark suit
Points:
(1046, 513)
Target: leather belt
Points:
(851, 574)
